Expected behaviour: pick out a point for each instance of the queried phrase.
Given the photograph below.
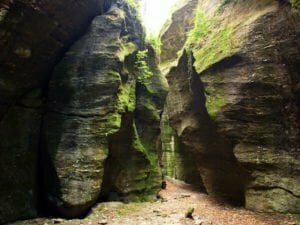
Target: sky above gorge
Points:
(155, 13)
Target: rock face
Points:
(92, 100)
(175, 36)
(219, 170)
(33, 34)
(83, 111)
(248, 63)
(89, 129)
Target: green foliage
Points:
(202, 26)
(141, 64)
(295, 4)
(155, 42)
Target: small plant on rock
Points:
(141, 64)
(189, 213)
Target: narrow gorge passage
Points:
(170, 209)
(149, 112)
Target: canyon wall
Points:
(240, 114)
(78, 124)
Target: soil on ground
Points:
(175, 202)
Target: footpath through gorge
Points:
(174, 203)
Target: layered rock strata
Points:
(248, 64)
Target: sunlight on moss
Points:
(218, 47)
(202, 26)
(214, 104)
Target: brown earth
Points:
(170, 209)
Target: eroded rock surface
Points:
(34, 35)
(248, 63)
(65, 150)
(219, 170)
(92, 104)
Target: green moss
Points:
(295, 4)
(202, 26)
(126, 49)
(112, 76)
(152, 109)
(155, 42)
(218, 47)
(142, 66)
(127, 209)
(136, 144)
(214, 104)
(126, 98)
(113, 122)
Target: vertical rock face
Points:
(133, 170)
(248, 63)
(93, 99)
(83, 111)
(173, 39)
(18, 163)
(33, 35)
(220, 172)
(92, 125)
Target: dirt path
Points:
(176, 200)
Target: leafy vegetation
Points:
(141, 64)
(202, 26)
(295, 4)
(155, 42)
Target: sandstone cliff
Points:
(77, 123)
(245, 127)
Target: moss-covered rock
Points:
(174, 37)
(212, 154)
(87, 97)
(248, 63)
(96, 139)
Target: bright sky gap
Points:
(155, 13)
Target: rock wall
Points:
(34, 34)
(175, 36)
(69, 94)
(248, 63)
